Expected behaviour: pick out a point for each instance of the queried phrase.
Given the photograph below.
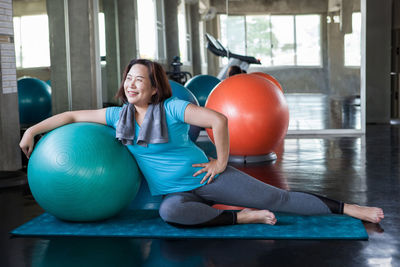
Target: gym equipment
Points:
(258, 116)
(183, 93)
(34, 100)
(201, 86)
(177, 74)
(81, 172)
(219, 50)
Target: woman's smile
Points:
(132, 93)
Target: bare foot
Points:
(369, 214)
(255, 216)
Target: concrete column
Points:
(171, 29)
(58, 57)
(10, 156)
(376, 46)
(346, 13)
(127, 25)
(212, 60)
(113, 67)
(194, 22)
(325, 56)
(335, 59)
(74, 54)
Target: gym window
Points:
(147, 29)
(203, 47)
(102, 37)
(151, 29)
(162, 53)
(352, 43)
(277, 40)
(31, 39)
(184, 34)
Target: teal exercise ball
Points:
(34, 100)
(201, 86)
(81, 172)
(183, 93)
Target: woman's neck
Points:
(141, 110)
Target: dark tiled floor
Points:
(354, 169)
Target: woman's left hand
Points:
(212, 168)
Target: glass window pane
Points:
(282, 40)
(223, 35)
(233, 34)
(308, 40)
(258, 38)
(352, 43)
(161, 49)
(203, 48)
(182, 32)
(17, 40)
(147, 29)
(35, 41)
(102, 35)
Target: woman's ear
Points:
(154, 91)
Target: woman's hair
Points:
(158, 79)
(233, 70)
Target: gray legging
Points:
(233, 187)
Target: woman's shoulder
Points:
(170, 100)
(175, 107)
(112, 114)
(114, 109)
(115, 106)
(173, 100)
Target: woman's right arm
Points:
(27, 141)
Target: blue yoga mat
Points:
(148, 224)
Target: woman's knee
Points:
(169, 208)
(273, 200)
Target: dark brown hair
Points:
(158, 79)
(233, 70)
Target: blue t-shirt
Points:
(167, 167)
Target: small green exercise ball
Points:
(81, 172)
(34, 100)
(201, 86)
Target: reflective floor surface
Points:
(362, 170)
(319, 111)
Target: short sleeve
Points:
(176, 108)
(112, 116)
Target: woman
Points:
(154, 127)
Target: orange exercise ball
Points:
(258, 115)
(269, 77)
